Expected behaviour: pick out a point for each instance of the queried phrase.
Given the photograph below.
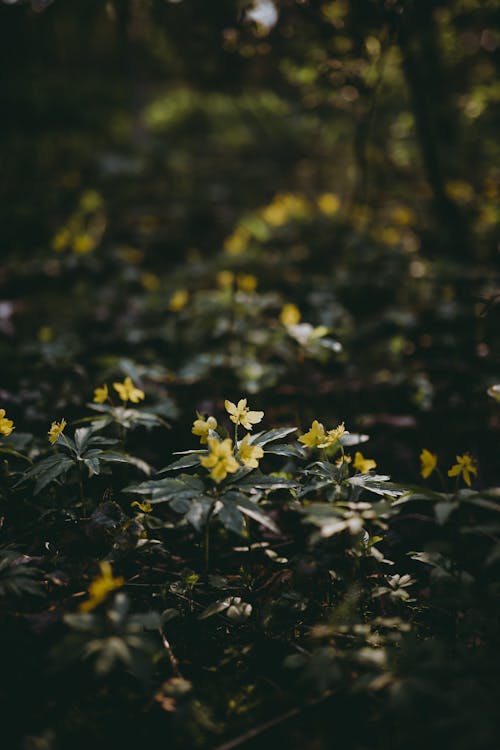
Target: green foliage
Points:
(295, 200)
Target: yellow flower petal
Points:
(428, 462)
(56, 429)
(362, 464)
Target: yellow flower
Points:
(61, 240)
(246, 282)
(220, 459)
(336, 433)
(150, 281)
(345, 459)
(45, 334)
(178, 300)
(145, 506)
(241, 414)
(363, 464)
(225, 279)
(201, 427)
(56, 429)
(83, 243)
(466, 465)
(428, 462)
(128, 392)
(328, 203)
(250, 455)
(101, 394)
(6, 425)
(90, 201)
(315, 435)
(101, 587)
(237, 242)
(290, 315)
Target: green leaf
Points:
(256, 480)
(377, 483)
(163, 490)
(92, 465)
(215, 608)
(230, 515)
(294, 450)
(48, 469)
(251, 509)
(270, 436)
(185, 462)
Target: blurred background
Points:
(298, 201)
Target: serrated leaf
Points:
(377, 483)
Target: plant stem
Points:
(207, 537)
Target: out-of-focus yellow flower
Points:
(178, 300)
(237, 242)
(145, 506)
(363, 464)
(100, 587)
(56, 429)
(6, 425)
(45, 334)
(101, 394)
(83, 243)
(283, 207)
(128, 392)
(388, 236)
(220, 459)
(345, 459)
(201, 427)
(428, 462)
(246, 282)
(315, 437)
(61, 240)
(275, 214)
(466, 465)
(241, 414)
(290, 315)
(250, 455)
(90, 201)
(225, 279)
(460, 191)
(130, 255)
(150, 281)
(328, 204)
(403, 216)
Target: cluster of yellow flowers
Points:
(317, 437)
(127, 391)
(221, 458)
(84, 229)
(465, 466)
(6, 425)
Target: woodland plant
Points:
(269, 535)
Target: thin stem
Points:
(207, 537)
